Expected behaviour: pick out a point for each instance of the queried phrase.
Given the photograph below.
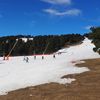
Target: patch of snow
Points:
(25, 39)
(16, 73)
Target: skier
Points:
(24, 58)
(54, 56)
(34, 56)
(4, 57)
(42, 57)
(27, 59)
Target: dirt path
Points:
(86, 87)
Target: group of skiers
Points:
(26, 59)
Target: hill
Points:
(29, 45)
(47, 70)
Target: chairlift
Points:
(12, 49)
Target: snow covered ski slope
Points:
(16, 73)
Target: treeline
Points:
(95, 36)
(37, 44)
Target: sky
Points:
(44, 17)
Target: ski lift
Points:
(12, 49)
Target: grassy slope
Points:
(86, 87)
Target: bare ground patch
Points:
(86, 87)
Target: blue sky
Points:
(43, 17)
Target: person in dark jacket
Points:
(27, 59)
(54, 56)
(42, 57)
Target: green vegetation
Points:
(38, 44)
(95, 36)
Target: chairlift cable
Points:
(46, 48)
(12, 49)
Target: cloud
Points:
(62, 11)
(71, 12)
(58, 2)
(88, 27)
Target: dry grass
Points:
(86, 87)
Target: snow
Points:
(25, 39)
(17, 74)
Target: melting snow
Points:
(16, 73)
